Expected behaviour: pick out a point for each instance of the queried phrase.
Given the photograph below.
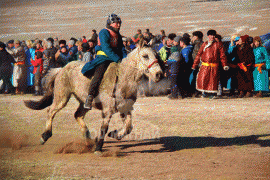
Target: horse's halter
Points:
(144, 67)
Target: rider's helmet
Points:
(113, 18)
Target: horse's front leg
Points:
(126, 129)
(103, 131)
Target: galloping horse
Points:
(117, 92)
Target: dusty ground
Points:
(181, 139)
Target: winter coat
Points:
(210, 55)
(110, 48)
(245, 64)
(37, 63)
(6, 61)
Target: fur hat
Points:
(244, 38)
(211, 32)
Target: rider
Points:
(110, 48)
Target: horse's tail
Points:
(47, 99)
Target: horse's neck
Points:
(128, 74)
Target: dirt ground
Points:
(172, 139)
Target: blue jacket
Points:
(187, 54)
(113, 54)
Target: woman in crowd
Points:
(246, 61)
(30, 55)
(262, 65)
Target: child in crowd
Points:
(38, 67)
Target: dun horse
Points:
(117, 92)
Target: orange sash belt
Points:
(259, 67)
(243, 67)
(210, 64)
(19, 63)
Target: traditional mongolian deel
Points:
(104, 51)
(210, 55)
(260, 73)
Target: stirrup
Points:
(88, 102)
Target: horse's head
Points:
(147, 62)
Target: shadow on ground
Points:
(176, 143)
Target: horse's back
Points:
(78, 84)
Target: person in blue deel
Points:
(110, 48)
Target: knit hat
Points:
(177, 39)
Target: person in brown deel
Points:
(245, 64)
(210, 54)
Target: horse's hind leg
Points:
(59, 102)
(79, 116)
(126, 129)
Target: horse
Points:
(117, 92)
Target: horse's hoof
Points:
(42, 141)
(98, 153)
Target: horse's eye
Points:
(146, 57)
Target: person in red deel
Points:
(38, 68)
(211, 54)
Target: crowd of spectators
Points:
(194, 68)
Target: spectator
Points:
(210, 54)
(262, 65)
(185, 67)
(87, 55)
(10, 45)
(72, 50)
(165, 51)
(6, 68)
(173, 66)
(30, 55)
(19, 71)
(246, 61)
(84, 40)
(127, 47)
(56, 43)
(38, 68)
(80, 53)
(62, 43)
(94, 37)
(92, 48)
(62, 57)
(136, 37)
(196, 42)
(232, 58)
